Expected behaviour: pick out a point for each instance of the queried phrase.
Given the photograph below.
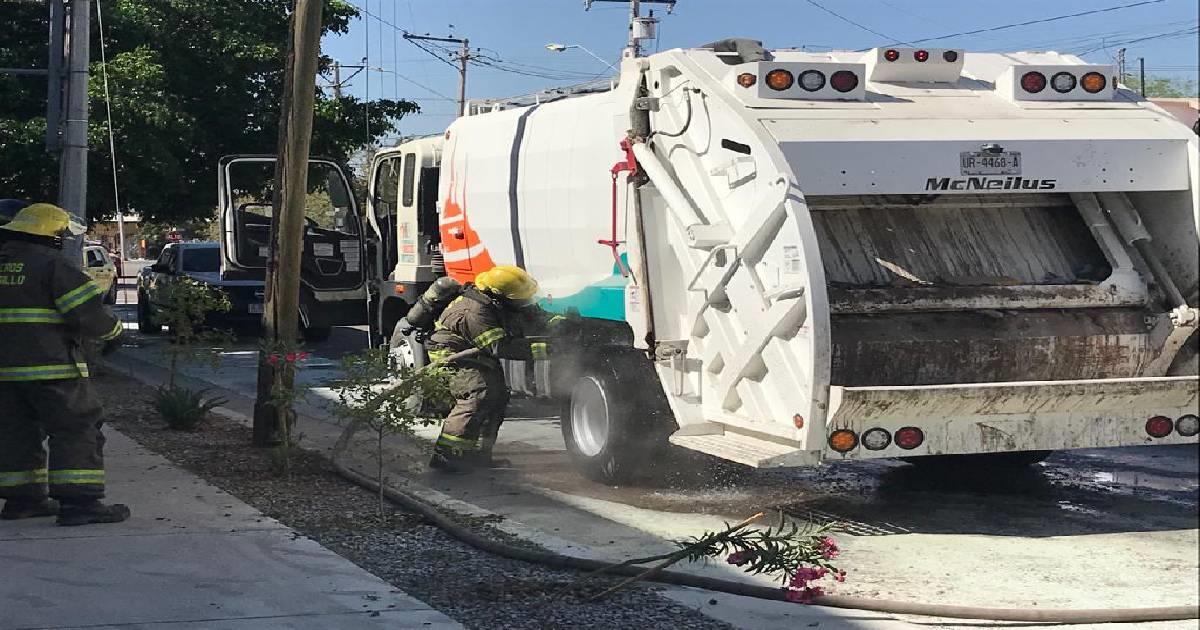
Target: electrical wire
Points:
(112, 143)
(861, 26)
(1169, 35)
(1039, 21)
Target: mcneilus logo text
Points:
(989, 183)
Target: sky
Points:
(511, 37)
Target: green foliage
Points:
(1163, 87)
(184, 409)
(184, 304)
(389, 398)
(190, 81)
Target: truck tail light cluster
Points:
(1034, 82)
(876, 439)
(914, 65)
(1057, 83)
(1162, 426)
(815, 80)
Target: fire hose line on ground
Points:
(561, 561)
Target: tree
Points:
(1163, 87)
(191, 80)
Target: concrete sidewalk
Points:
(192, 556)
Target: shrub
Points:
(184, 409)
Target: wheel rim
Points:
(402, 354)
(589, 416)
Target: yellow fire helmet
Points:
(511, 282)
(44, 219)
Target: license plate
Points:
(255, 308)
(987, 163)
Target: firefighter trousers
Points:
(68, 415)
(480, 398)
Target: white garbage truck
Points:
(785, 258)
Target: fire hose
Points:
(554, 560)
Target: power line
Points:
(1040, 21)
(853, 23)
(1169, 35)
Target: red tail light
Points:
(1033, 82)
(891, 55)
(909, 438)
(843, 81)
(1159, 426)
(921, 55)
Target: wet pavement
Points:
(1082, 529)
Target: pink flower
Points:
(804, 575)
(840, 576)
(829, 549)
(290, 358)
(804, 595)
(273, 359)
(739, 558)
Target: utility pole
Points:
(1121, 64)
(1142, 74)
(72, 172)
(463, 57)
(640, 28)
(272, 416)
(337, 79)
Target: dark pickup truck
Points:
(200, 262)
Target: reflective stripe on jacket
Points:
(47, 307)
(473, 320)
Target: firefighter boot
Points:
(91, 512)
(16, 509)
(484, 459)
(450, 461)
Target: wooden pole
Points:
(282, 311)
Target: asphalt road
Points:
(1097, 528)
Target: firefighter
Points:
(48, 307)
(497, 315)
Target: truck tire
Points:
(979, 461)
(145, 319)
(616, 418)
(110, 297)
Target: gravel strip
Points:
(477, 589)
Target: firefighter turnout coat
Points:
(47, 309)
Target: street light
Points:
(564, 47)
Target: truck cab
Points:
(333, 275)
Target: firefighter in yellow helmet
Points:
(495, 314)
(47, 308)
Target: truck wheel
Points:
(981, 461)
(405, 351)
(111, 296)
(145, 319)
(616, 418)
(317, 334)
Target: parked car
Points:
(200, 262)
(98, 265)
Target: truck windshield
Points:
(207, 259)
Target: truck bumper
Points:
(1005, 417)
